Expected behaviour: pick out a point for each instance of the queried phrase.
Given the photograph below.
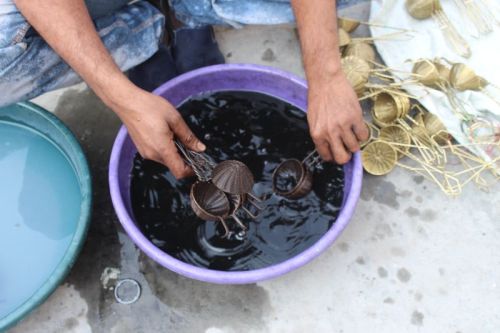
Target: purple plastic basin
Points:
(232, 77)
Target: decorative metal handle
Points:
(311, 160)
(459, 45)
(476, 15)
(201, 163)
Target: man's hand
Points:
(152, 122)
(334, 114)
(335, 119)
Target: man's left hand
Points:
(335, 119)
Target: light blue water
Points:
(39, 210)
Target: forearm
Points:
(317, 26)
(67, 27)
(333, 112)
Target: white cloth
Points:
(429, 42)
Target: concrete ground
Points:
(411, 260)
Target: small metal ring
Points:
(133, 299)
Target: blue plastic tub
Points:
(45, 206)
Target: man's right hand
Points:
(152, 123)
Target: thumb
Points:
(186, 136)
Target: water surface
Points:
(39, 209)
(260, 131)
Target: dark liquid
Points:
(287, 176)
(261, 131)
(286, 181)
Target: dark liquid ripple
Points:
(260, 131)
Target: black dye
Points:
(261, 131)
(287, 180)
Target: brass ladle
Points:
(236, 192)
(211, 204)
(293, 179)
(236, 179)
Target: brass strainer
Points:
(379, 158)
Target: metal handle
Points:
(311, 160)
(459, 45)
(201, 163)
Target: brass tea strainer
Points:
(293, 179)
(235, 178)
(222, 189)
(389, 107)
(210, 203)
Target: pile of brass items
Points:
(402, 133)
(479, 12)
(424, 9)
(452, 78)
(359, 57)
(361, 46)
(399, 130)
(420, 143)
(297, 176)
(357, 72)
(388, 107)
(221, 190)
(412, 133)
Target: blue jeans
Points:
(195, 13)
(29, 67)
(131, 32)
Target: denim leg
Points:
(196, 13)
(29, 67)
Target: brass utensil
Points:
(233, 177)
(293, 179)
(424, 9)
(211, 204)
(379, 158)
(201, 163)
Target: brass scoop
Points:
(222, 189)
(293, 179)
(233, 177)
(211, 204)
(236, 179)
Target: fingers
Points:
(323, 149)
(339, 151)
(171, 158)
(350, 140)
(361, 131)
(332, 147)
(185, 135)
